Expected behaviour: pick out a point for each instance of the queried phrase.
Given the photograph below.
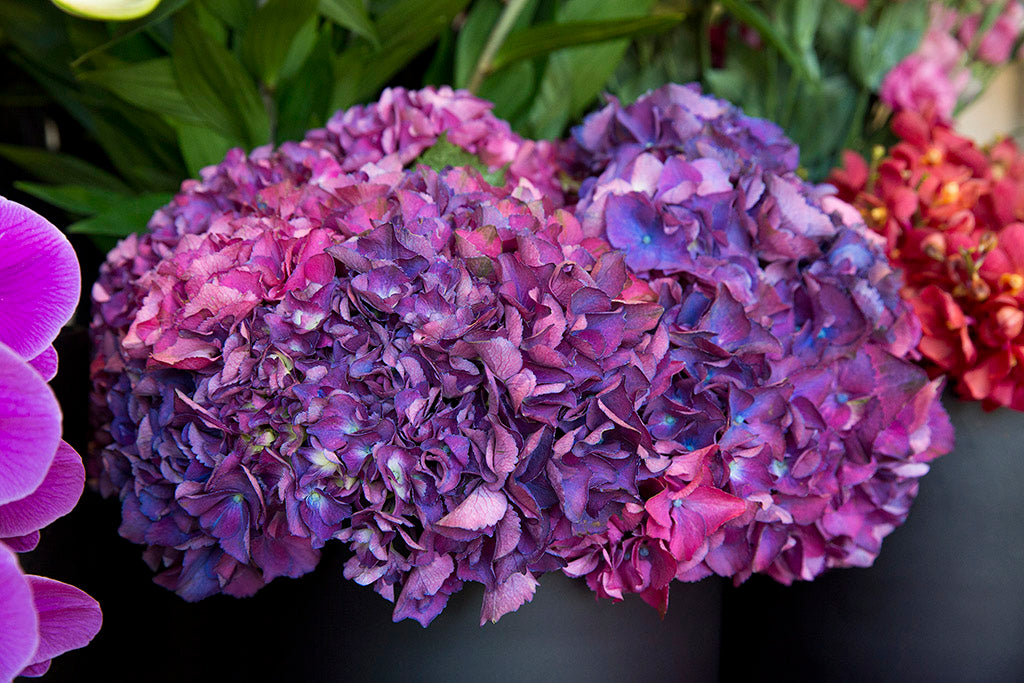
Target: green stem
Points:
(498, 35)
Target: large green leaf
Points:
(752, 16)
(303, 99)
(351, 14)
(79, 199)
(61, 168)
(149, 85)
(122, 218)
(234, 13)
(574, 77)
(406, 28)
(201, 147)
(541, 40)
(269, 35)
(216, 86)
(471, 38)
(876, 50)
(163, 11)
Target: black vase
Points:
(943, 602)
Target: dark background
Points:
(944, 602)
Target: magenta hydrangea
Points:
(41, 477)
(441, 373)
(789, 426)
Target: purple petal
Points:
(29, 427)
(54, 498)
(481, 509)
(509, 596)
(46, 363)
(19, 626)
(22, 544)
(68, 618)
(39, 280)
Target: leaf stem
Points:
(498, 35)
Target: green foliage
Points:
(444, 154)
(163, 96)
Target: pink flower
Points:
(923, 85)
(997, 44)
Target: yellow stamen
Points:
(1014, 282)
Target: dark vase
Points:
(943, 602)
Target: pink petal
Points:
(29, 427)
(481, 509)
(39, 280)
(54, 498)
(19, 625)
(22, 544)
(517, 590)
(68, 618)
(501, 356)
(46, 363)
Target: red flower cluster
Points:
(952, 215)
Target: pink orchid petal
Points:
(54, 498)
(19, 626)
(39, 280)
(46, 363)
(68, 618)
(22, 544)
(29, 427)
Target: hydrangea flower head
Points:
(41, 477)
(441, 373)
(789, 429)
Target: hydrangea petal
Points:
(39, 280)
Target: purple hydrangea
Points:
(441, 373)
(789, 428)
(41, 477)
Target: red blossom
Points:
(951, 214)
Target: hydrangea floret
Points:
(952, 219)
(789, 427)
(41, 476)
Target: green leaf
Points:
(304, 98)
(352, 15)
(444, 154)
(406, 29)
(201, 147)
(511, 91)
(269, 35)
(123, 218)
(60, 168)
(163, 11)
(472, 37)
(234, 13)
(149, 85)
(541, 40)
(216, 86)
(748, 14)
(875, 51)
(139, 152)
(80, 199)
(303, 44)
(551, 109)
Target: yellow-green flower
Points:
(115, 10)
